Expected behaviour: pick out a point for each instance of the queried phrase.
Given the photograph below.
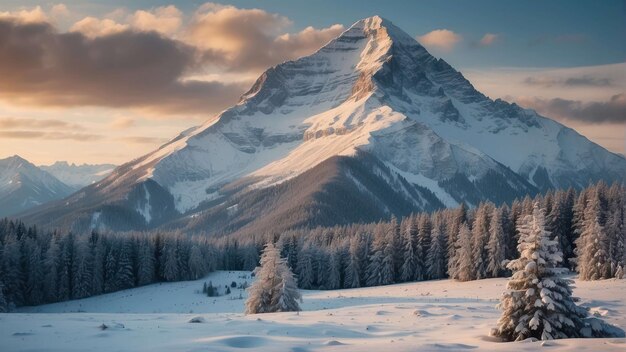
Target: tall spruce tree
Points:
(275, 288)
(538, 302)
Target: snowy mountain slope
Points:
(24, 185)
(438, 315)
(78, 176)
(372, 90)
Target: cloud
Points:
(80, 137)
(146, 59)
(582, 81)
(251, 39)
(59, 11)
(94, 27)
(121, 123)
(13, 123)
(142, 140)
(442, 39)
(165, 19)
(488, 39)
(41, 66)
(611, 111)
(34, 15)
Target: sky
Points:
(108, 81)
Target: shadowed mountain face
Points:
(369, 126)
(24, 185)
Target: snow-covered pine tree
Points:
(82, 269)
(145, 263)
(408, 271)
(305, 269)
(170, 260)
(275, 288)
(538, 302)
(99, 252)
(496, 247)
(197, 265)
(592, 247)
(352, 277)
(4, 306)
(480, 238)
(464, 270)
(424, 229)
(333, 273)
(387, 272)
(124, 276)
(375, 264)
(436, 259)
(51, 263)
(454, 221)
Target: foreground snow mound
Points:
(439, 315)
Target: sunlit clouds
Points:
(441, 39)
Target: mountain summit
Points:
(24, 185)
(371, 125)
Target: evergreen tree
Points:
(146, 263)
(408, 271)
(465, 269)
(592, 260)
(305, 269)
(538, 302)
(436, 260)
(352, 278)
(124, 276)
(480, 238)
(275, 289)
(82, 269)
(496, 247)
(455, 220)
(4, 306)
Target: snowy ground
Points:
(425, 316)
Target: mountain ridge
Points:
(371, 93)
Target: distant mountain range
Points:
(78, 176)
(369, 126)
(24, 185)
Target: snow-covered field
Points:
(425, 316)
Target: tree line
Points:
(463, 243)
(39, 267)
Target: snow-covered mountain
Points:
(368, 126)
(78, 176)
(24, 185)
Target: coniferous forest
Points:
(465, 243)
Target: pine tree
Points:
(464, 270)
(408, 271)
(4, 306)
(592, 260)
(480, 238)
(305, 269)
(197, 266)
(352, 277)
(333, 274)
(146, 263)
(82, 270)
(275, 289)
(424, 228)
(496, 247)
(455, 219)
(124, 276)
(51, 264)
(436, 260)
(538, 302)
